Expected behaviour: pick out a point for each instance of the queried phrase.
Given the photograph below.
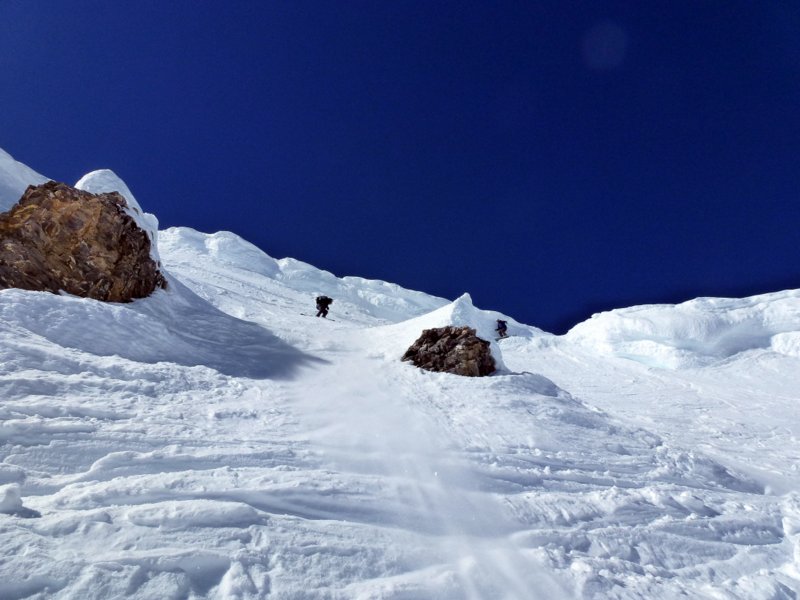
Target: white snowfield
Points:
(216, 440)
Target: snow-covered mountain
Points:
(218, 441)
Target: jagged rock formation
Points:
(451, 349)
(61, 238)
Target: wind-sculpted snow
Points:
(218, 441)
(224, 251)
(696, 332)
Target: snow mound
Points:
(697, 332)
(14, 179)
(394, 340)
(10, 501)
(104, 181)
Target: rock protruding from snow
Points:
(58, 238)
(393, 340)
(104, 181)
(456, 350)
(14, 179)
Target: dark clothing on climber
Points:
(323, 302)
(502, 328)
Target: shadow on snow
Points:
(173, 326)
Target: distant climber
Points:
(323, 302)
(502, 328)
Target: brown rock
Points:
(451, 349)
(60, 238)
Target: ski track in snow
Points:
(213, 442)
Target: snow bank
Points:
(697, 332)
(14, 178)
(224, 248)
(104, 181)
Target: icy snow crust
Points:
(216, 440)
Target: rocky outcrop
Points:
(452, 349)
(61, 238)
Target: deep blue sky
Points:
(551, 158)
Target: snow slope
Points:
(14, 178)
(217, 441)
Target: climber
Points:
(502, 328)
(323, 302)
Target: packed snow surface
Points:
(216, 440)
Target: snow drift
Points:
(696, 332)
